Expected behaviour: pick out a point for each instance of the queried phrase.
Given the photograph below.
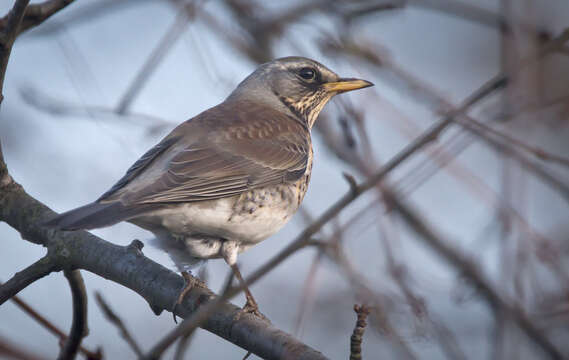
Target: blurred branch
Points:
(190, 324)
(357, 336)
(363, 292)
(308, 291)
(51, 327)
(79, 327)
(156, 56)
(469, 269)
(36, 14)
(183, 345)
(535, 151)
(87, 12)
(429, 135)
(44, 102)
(11, 351)
(423, 93)
(116, 320)
(465, 11)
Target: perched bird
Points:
(230, 177)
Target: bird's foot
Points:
(251, 307)
(191, 282)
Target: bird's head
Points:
(301, 85)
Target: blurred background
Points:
(94, 87)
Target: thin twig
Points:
(536, 151)
(155, 58)
(22, 279)
(11, 351)
(425, 94)
(79, 327)
(431, 134)
(52, 327)
(189, 325)
(358, 333)
(116, 320)
(471, 271)
(308, 291)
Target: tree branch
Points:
(11, 351)
(8, 36)
(52, 328)
(429, 135)
(22, 279)
(471, 271)
(36, 14)
(129, 267)
(116, 320)
(79, 325)
(357, 336)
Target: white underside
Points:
(213, 229)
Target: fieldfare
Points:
(231, 176)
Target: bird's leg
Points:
(190, 283)
(229, 251)
(251, 305)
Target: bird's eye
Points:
(307, 73)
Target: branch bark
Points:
(36, 14)
(79, 325)
(8, 36)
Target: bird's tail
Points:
(91, 216)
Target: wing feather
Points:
(220, 153)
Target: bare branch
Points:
(116, 320)
(36, 14)
(431, 134)
(157, 55)
(11, 351)
(22, 279)
(159, 286)
(79, 327)
(357, 336)
(471, 271)
(51, 327)
(8, 36)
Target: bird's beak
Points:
(346, 84)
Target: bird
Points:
(229, 177)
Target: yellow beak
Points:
(346, 84)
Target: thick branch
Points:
(159, 286)
(79, 325)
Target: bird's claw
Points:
(251, 307)
(191, 282)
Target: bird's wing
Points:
(222, 152)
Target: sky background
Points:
(66, 160)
